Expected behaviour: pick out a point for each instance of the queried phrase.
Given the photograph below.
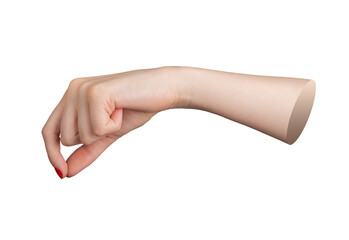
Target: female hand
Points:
(96, 111)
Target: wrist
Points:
(180, 80)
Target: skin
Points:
(96, 111)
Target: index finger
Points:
(50, 133)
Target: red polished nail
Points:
(60, 174)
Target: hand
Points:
(96, 111)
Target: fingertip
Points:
(59, 164)
(59, 173)
(69, 175)
(76, 163)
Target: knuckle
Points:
(94, 91)
(82, 88)
(75, 83)
(66, 141)
(44, 131)
(87, 140)
(98, 131)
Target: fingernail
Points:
(60, 174)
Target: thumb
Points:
(83, 156)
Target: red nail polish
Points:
(60, 174)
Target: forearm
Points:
(268, 104)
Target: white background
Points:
(186, 174)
